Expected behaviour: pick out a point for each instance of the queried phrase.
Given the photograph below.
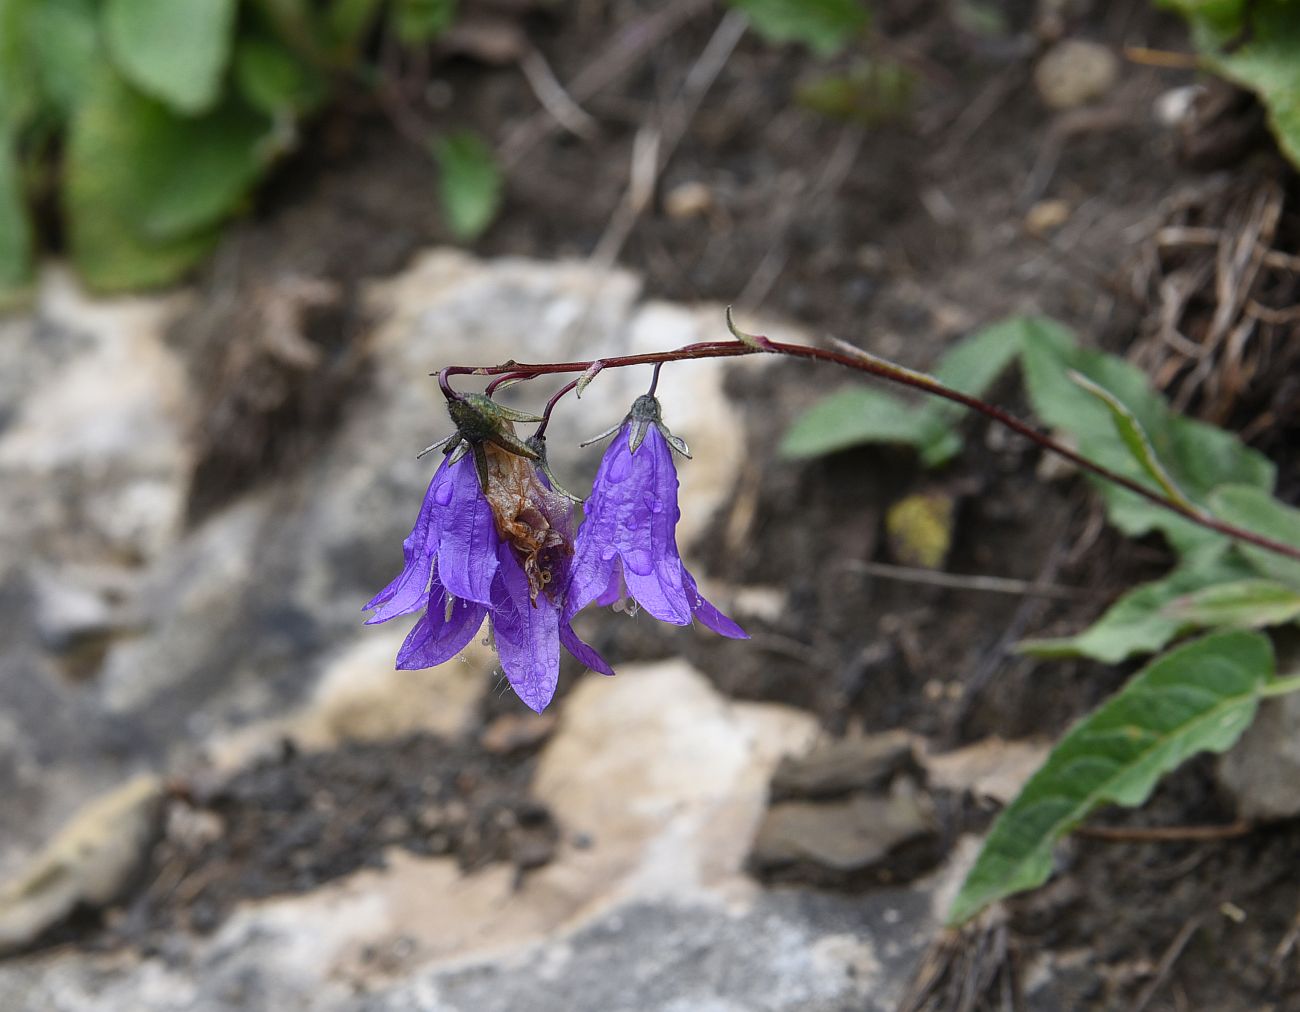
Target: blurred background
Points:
(235, 238)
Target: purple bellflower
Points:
(493, 539)
(627, 545)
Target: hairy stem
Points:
(859, 361)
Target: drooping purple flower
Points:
(465, 560)
(627, 544)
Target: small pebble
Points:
(688, 200)
(1075, 72)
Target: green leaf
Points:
(862, 415)
(470, 183)
(65, 44)
(972, 364)
(144, 188)
(350, 20)
(824, 26)
(1268, 63)
(1197, 456)
(1243, 604)
(15, 229)
(419, 21)
(1257, 511)
(274, 80)
(174, 51)
(1135, 439)
(19, 95)
(1138, 622)
(1199, 697)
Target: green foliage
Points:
(19, 95)
(860, 415)
(274, 80)
(469, 183)
(421, 20)
(145, 189)
(1135, 440)
(1243, 604)
(63, 35)
(1141, 621)
(1196, 456)
(871, 92)
(15, 231)
(1257, 511)
(1255, 45)
(157, 118)
(175, 52)
(824, 26)
(1197, 698)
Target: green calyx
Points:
(538, 445)
(646, 411)
(479, 419)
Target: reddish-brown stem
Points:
(517, 377)
(550, 406)
(862, 362)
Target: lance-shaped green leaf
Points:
(1199, 697)
(1242, 604)
(1135, 439)
(1138, 622)
(1255, 510)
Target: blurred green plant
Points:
(1256, 44)
(824, 26)
(470, 182)
(150, 122)
(1199, 696)
(870, 92)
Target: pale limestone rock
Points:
(88, 862)
(97, 436)
(1262, 772)
(990, 768)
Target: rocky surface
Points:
(644, 905)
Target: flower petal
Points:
(592, 569)
(527, 634)
(410, 590)
(614, 590)
(436, 638)
(661, 592)
(582, 651)
(468, 542)
(707, 614)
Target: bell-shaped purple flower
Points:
(627, 545)
(459, 569)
